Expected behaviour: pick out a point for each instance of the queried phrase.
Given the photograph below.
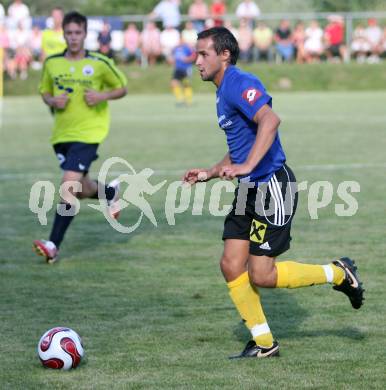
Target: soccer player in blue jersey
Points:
(257, 229)
(183, 57)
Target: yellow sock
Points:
(292, 275)
(188, 91)
(177, 91)
(247, 301)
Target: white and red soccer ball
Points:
(60, 348)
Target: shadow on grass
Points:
(285, 316)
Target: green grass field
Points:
(152, 307)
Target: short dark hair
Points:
(74, 17)
(223, 39)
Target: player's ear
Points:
(226, 55)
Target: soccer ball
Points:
(60, 348)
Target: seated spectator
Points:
(299, 37)
(245, 39)
(262, 41)
(249, 11)
(151, 43)
(360, 46)
(35, 45)
(189, 34)
(284, 41)
(235, 31)
(198, 13)
(132, 42)
(104, 40)
(374, 37)
(383, 43)
(169, 12)
(217, 11)
(18, 12)
(313, 45)
(170, 38)
(22, 54)
(52, 38)
(7, 52)
(334, 38)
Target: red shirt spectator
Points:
(218, 10)
(334, 31)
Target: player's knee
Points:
(262, 276)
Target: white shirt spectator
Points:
(18, 12)
(170, 38)
(247, 9)
(168, 11)
(314, 39)
(374, 35)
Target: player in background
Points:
(52, 38)
(183, 57)
(77, 84)
(257, 229)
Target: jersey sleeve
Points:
(249, 96)
(45, 84)
(112, 77)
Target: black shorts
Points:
(180, 74)
(76, 156)
(263, 214)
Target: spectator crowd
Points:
(25, 41)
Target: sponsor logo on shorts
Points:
(257, 232)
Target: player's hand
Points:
(60, 102)
(196, 175)
(92, 98)
(229, 172)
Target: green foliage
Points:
(348, 5)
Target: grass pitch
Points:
(152, 307)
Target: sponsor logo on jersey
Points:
(251, 95)
(88, 70)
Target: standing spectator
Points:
(249, 11)
(284, 41)
(298, 38)
(313, 45)
(198, 13)
(104, 40)
(334, 38)
(169, 12)
(132, 42)
(360, 46)
(151, 43)
(35, 45)
(52, 38)
(374, 37)
(170, 38)
(245, 41)
(189, 34)
(217, 10)
(18, 12)
(262, 40)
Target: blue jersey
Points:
(239, 97)
(180, 54)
